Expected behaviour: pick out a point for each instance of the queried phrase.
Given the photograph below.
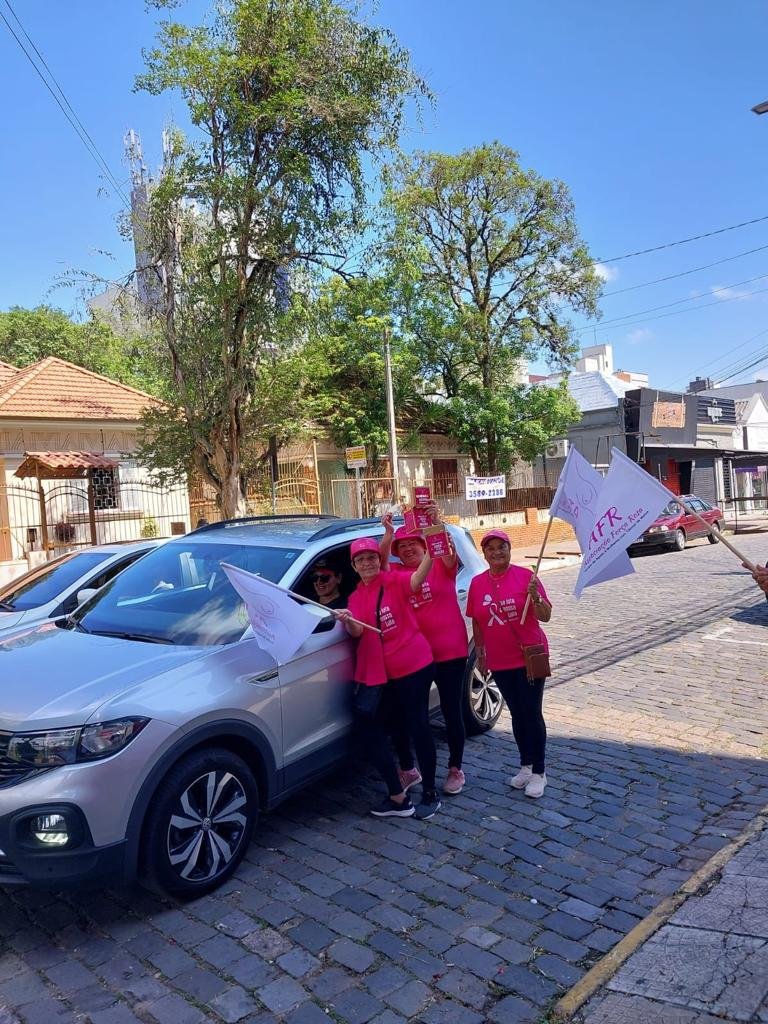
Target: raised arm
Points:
(421, 573)
(385, 544)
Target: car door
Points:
(316, 691)
(689, 523)
(698, 506)
(708, 512)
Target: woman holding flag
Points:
(495, 604)
(391, 666)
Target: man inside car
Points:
(326, 580)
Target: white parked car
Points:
(57, 587)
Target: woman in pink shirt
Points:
(441, 621)
(393, 668)
(495, 604)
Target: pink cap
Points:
(403, 533)
(494, 535)
(357, 547)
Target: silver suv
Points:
(143, 734)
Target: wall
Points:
(526, 534)
(597, 432)
(138, 504)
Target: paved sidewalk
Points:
(489, 913)
(709, 964)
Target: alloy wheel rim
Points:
(485, 696)
(207, 827)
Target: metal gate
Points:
(57, 516)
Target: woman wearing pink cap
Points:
(441, 621)
(495, 604)
(392, 667)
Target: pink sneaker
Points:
(454, 781)
(410, 778)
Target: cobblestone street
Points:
(658, 755)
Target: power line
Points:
(617, 321)
(675, 312)
(63, 103)
(758, 361)
(683, 273)
(720, 358)
(684, 241)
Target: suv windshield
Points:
(179, 594)
(49, 581)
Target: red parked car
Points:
(675, 527)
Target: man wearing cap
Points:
(393, 667)
(326, 580)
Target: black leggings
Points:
(449, 678)
(400, 700)
(524, 701)
(371, 721)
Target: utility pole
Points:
(391, 418)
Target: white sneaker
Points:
(523, 777)
(535, 787)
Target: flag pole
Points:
(718, 534)
(536, 570)
(317, 604)
(300, 597)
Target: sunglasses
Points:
(322, 577)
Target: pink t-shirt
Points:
(437, 611)
(496, 603)
(404, 648)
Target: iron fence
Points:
(57, 516)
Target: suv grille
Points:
(12, 772)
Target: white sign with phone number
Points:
(481, 487)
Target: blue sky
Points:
(643, 109)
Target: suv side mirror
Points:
(86, 594)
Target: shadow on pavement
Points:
(486, 913)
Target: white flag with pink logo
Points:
(628, 502)
(575, 501)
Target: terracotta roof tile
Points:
(6, 372)
(56, 389)
(62, 465)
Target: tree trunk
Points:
(225, 465)
(233, 500)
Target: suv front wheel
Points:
(482, 699)
(200, 823)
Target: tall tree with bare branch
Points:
(291, 101)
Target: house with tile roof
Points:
(85, 425)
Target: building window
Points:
(445, 478)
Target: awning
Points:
(686, 453)
(62, 465)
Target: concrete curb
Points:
(602, 972)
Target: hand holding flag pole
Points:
(536, 570)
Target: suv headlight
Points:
(70, 746)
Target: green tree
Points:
(28, 335)
(345, 367)
(290, 101)
(489, 261)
